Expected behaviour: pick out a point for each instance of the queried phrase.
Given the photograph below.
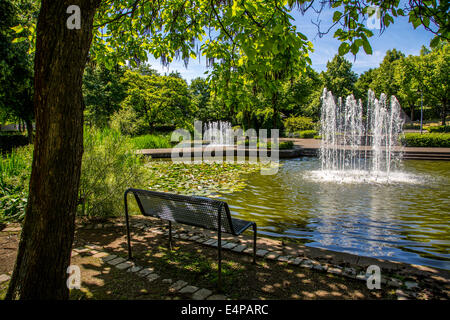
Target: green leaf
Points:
(387, 20)
(354, 48)
(16, 40)
(434, 42)
(344, 48)
(336, 16)
(367, 47)
(234, 8)
(302, 36)
(17, 29)
(414, 20)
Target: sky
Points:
(400, 35)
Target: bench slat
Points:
(191, 210)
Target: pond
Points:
(403, 221)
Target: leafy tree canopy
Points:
(157, 100)
(16, 66)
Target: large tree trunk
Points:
(275, 111)
(48, 230)
(29, 125)
(444, 111)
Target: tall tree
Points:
(364, 83)
(48, 229)
(103, 92)
(436, 71)
(200, 95)
(339, 77)
(408, 75)
(385, 81)
(16, 64)
(162, 100)
(296, 96)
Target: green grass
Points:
(151, 141)
(196, 264)
(14, 163)
(15, 169)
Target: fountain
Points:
(360, 145)
(219, 133)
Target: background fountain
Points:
(219, 133)
(360, 144)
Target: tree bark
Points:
(275, 111)
(29, 125)
(444, 111)
(48, 230)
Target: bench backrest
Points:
(191, 210)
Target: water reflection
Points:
(406, 222)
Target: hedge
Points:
(306, 134)
(283, 145)
(294, 124)
(439, 129)
(441, 140)
(411, 126)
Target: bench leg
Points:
(130, 255)
(254, 243)
(170, 235)
(219, 248)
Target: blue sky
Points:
(400, 35)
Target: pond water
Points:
(405, 221)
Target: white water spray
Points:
(357, 144)
(219, 133)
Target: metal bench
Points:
(196, 211)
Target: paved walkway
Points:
(408, 281)
(302, 147)
(180, 288)
(315, 144)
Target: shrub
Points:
(126, 121)
(286, 145)
(441, 140)
(445, 129)
(110, 166)
(260, 144)
(150, 141)
(306, 134)
(10, 141)
(293, 124)
(411, 126)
